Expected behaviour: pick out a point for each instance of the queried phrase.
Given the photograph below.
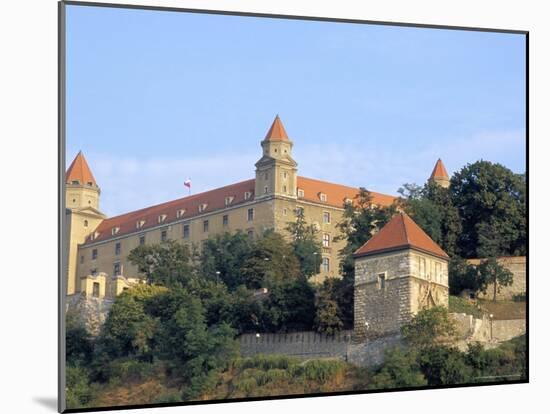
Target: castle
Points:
(98, 246)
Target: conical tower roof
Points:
(439, 171)
(277, 131)
(401, 232)
(79, 170)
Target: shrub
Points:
(79, 394)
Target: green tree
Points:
(400, 369)
(429, 328)
(491, 272)
(432, 208)
(222, 258)
(443, 365)
(492, 207)
(79, 344)
(422, 210)
(271, 262)
(196, 352)
(327, 313)
(289, 307)
(129, 330)
(306, 245)
(462, 275)
(166, 264)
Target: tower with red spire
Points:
(276, 171)
(82, 212)
(439, 175)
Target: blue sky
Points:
(156, 97)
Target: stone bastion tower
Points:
(398, 272)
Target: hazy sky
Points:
(156, 97)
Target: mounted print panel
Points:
(266, 207)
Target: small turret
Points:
(439, 175)
(81, 188)
(276, 171)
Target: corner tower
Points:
(398, 272)
(82, 212)
(276, 171)
(439, 175)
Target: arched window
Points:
(85, 223)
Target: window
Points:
(115, 230)
(116, 269)
(180, 213)
(202, 207)
(285, 175)
(94, 254)
(348, 200)
(284, 211)
(81, 259)
(250, 234)
(229, 200)
(117, 249)
(76, 182)
(250, 215)
(93, 272)
(326, 240)
(163, 236)
(85, 223)
(225, 220)
(323, 197)
(422, 267)
(284, 188)
(381, 281)
(141, 240)
(95, 290)
(247, 195)
(300, 193)
(186, 231)
(140, 223)
(438, 276)
(326, 217)
(205, 226)
(161, 218)
(265, 189)
(89, 183)
(300, 211)
(325, 264)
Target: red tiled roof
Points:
(400, 232)
(439, 170)
(79, 171)
(215, 200)
(336, 193)
(277, 131)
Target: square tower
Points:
(398, 272)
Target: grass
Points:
(504, 309)
(461, 305)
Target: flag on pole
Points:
(187, 183)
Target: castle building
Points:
(398, 272)
(99, 246)
(439, 175)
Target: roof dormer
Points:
(115, 230)
(161, 218)
(180, 213)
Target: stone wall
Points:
(93, 311)
(518, 266)
(297, 344)
(485, 331)
(380, 310)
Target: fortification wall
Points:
(518, 266)
(93, 310)
(486, 331)
(297, 344)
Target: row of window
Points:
(186, 233)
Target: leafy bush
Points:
(400, 369)
(79, 393)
